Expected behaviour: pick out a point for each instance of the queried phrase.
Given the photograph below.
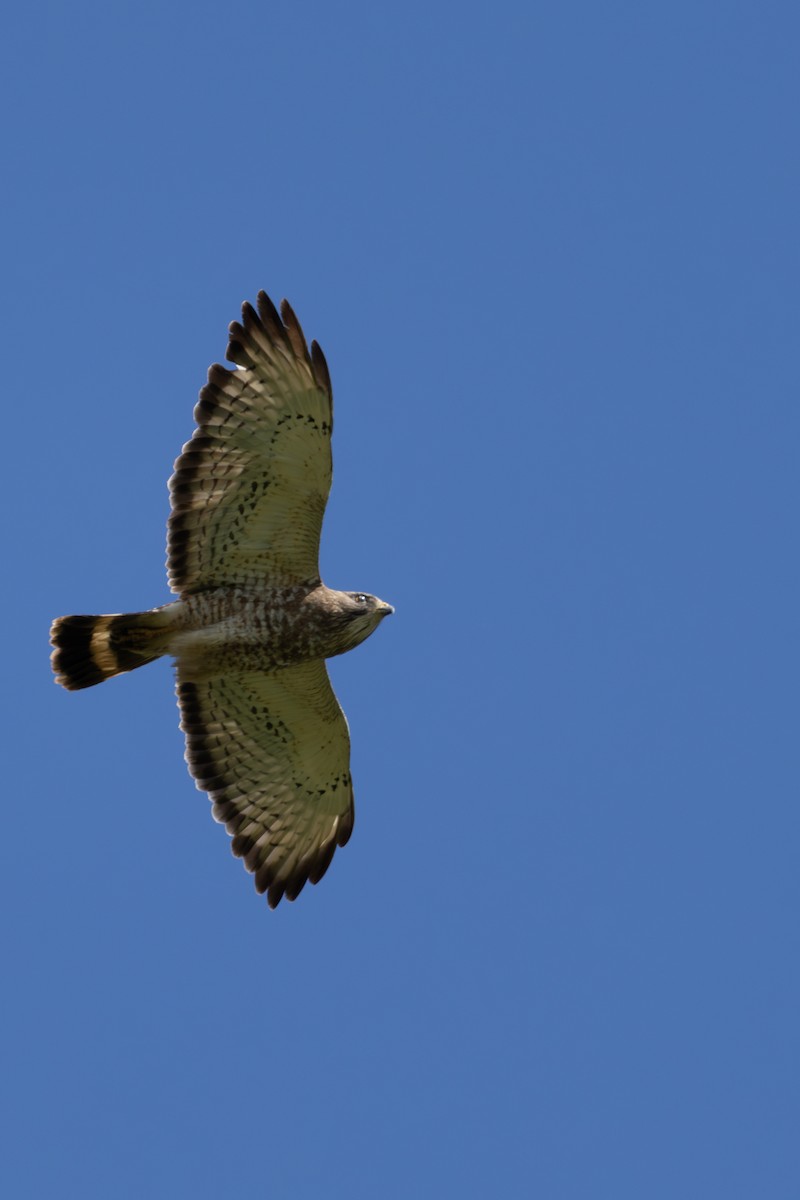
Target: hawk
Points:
(253, 624)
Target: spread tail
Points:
(91, 649)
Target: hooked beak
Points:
(385, 610)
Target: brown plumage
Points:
(265, 736)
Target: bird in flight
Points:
(253, 623)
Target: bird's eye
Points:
(360, 597)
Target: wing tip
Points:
(319, 366)
(266, 323)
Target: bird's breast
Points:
(248, 629)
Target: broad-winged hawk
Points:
(265, 735)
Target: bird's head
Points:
(357, 615)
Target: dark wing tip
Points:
(294, 332)
(272, 878)
(236, 351)
(270, 317)
(320, 368)
(283, 326)
(322, 861)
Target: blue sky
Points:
(551, 253)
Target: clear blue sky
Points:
(551, 252)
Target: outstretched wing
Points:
(273, 753)
(249, 490)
